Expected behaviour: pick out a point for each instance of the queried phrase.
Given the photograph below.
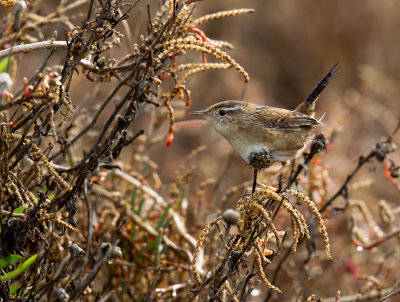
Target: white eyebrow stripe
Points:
(271, 128)
(260, 108)
(231, 108)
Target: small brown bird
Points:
(263, 135)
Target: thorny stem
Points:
(377, 242)
(70, 68)
(108, 123)
(247, 279)
(343, 189)
(97, 266)
(219, 269)
(153, 283)
(113, 93)
(33, 121)
(101, 109)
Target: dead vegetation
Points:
(85, 210)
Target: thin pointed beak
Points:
(199, 112)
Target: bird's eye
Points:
(222, 112)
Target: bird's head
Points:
(224, 115)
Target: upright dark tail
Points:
(308, 105)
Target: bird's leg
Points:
(259, 160)
(254, 180)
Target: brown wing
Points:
(282, 119)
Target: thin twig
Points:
(26, 48)
(153, 284)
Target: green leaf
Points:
(183, 194)
(69, 157)
(132, 235)
(85, 54)
(156, 248)
(133, 199)
(19, 210)
(10, 260)
(4, 63)
(51, 196)
(20, 269)
(44, 190)
(163, 216)
(166, 224)
(141, 203)
(139, 254)
(123, 290)
(14, 288)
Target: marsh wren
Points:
(263, 135)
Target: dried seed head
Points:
(231, 217)
(7, 3)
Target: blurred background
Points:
(286, 47)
